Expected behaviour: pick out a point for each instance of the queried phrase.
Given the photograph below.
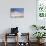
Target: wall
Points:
(23, 23)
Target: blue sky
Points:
(21, 10)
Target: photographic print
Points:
(17, 12)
